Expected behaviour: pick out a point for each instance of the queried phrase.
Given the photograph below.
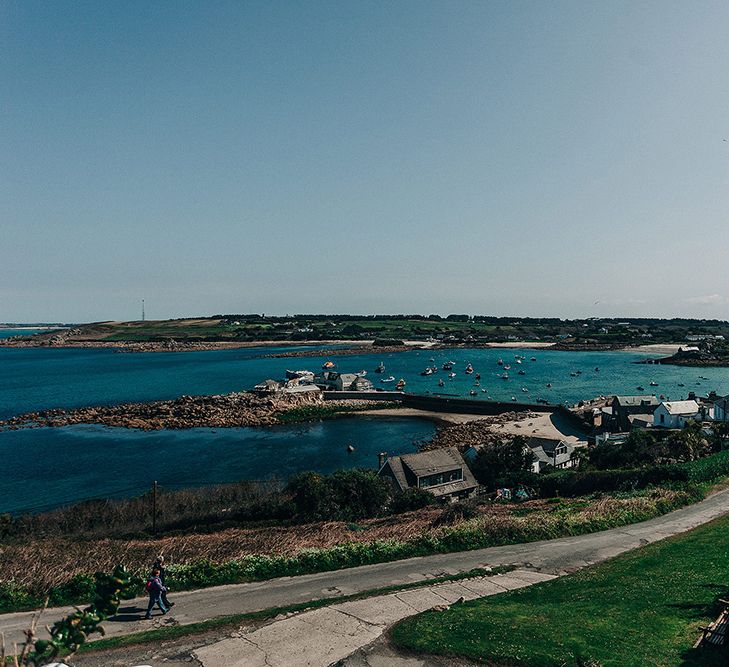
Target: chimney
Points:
(381, 458)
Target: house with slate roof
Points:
(442, 472)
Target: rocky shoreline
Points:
(220, 411)
(481, 431)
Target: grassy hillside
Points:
(642, 609)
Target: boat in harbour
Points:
(400, 385)
(448, 365)
(388, 379)
(441, 383)
(521, 372)
(469, 369)
(504, 376)
(451, 375)
(380, 368)
(328, 365)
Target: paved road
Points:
(324, 636)
(552, 557)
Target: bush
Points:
(457, 512)
(346, 495)
(411, 499)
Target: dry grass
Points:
(41, 564)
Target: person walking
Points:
(159, 564)
(156, 589)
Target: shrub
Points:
(411, 499)
(457, 512)
(346, 495)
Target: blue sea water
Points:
(60, 465)
(48, 467)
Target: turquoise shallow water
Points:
(47, 466)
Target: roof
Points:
(681, 407)
(430, 463)
(636, 401)
(549, 457)
(640, 420)
(347, 378)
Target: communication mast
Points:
(142, 310)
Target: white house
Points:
(675, 414)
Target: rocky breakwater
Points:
(222, 411)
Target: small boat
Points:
(654, 384)
(441, 383)
(525, 390)
(507, 367)
(549, 385)
(521, 372)
(573, 375)
(451, 375)
(328, 365)
(518, 361)
(427, 371)
(579, 372)
(500, 362)
(361, 374)
(350, 449)
(448, 365)
(701, 377)
(504, 376)
(513, 398)
(400, 385)
(469, 369)
(681, 384)
(534, 359)
(640, 388)
(478, 376)
(473, 392)
(484, 390)
(477, 383)
(390, 379)
(380, 368)
(432, 360)
(597, 369)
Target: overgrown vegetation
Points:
(432, 530)
(667, 590)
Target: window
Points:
(440, 478)
(663, 419)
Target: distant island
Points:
(687, 341)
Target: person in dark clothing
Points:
(156, 589)
(159, 564)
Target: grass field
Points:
(642, 609)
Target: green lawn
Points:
(638, 610)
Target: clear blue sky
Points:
(525, 158)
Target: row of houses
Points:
(625, 413)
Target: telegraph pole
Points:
(154, 507)
(142, 310)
